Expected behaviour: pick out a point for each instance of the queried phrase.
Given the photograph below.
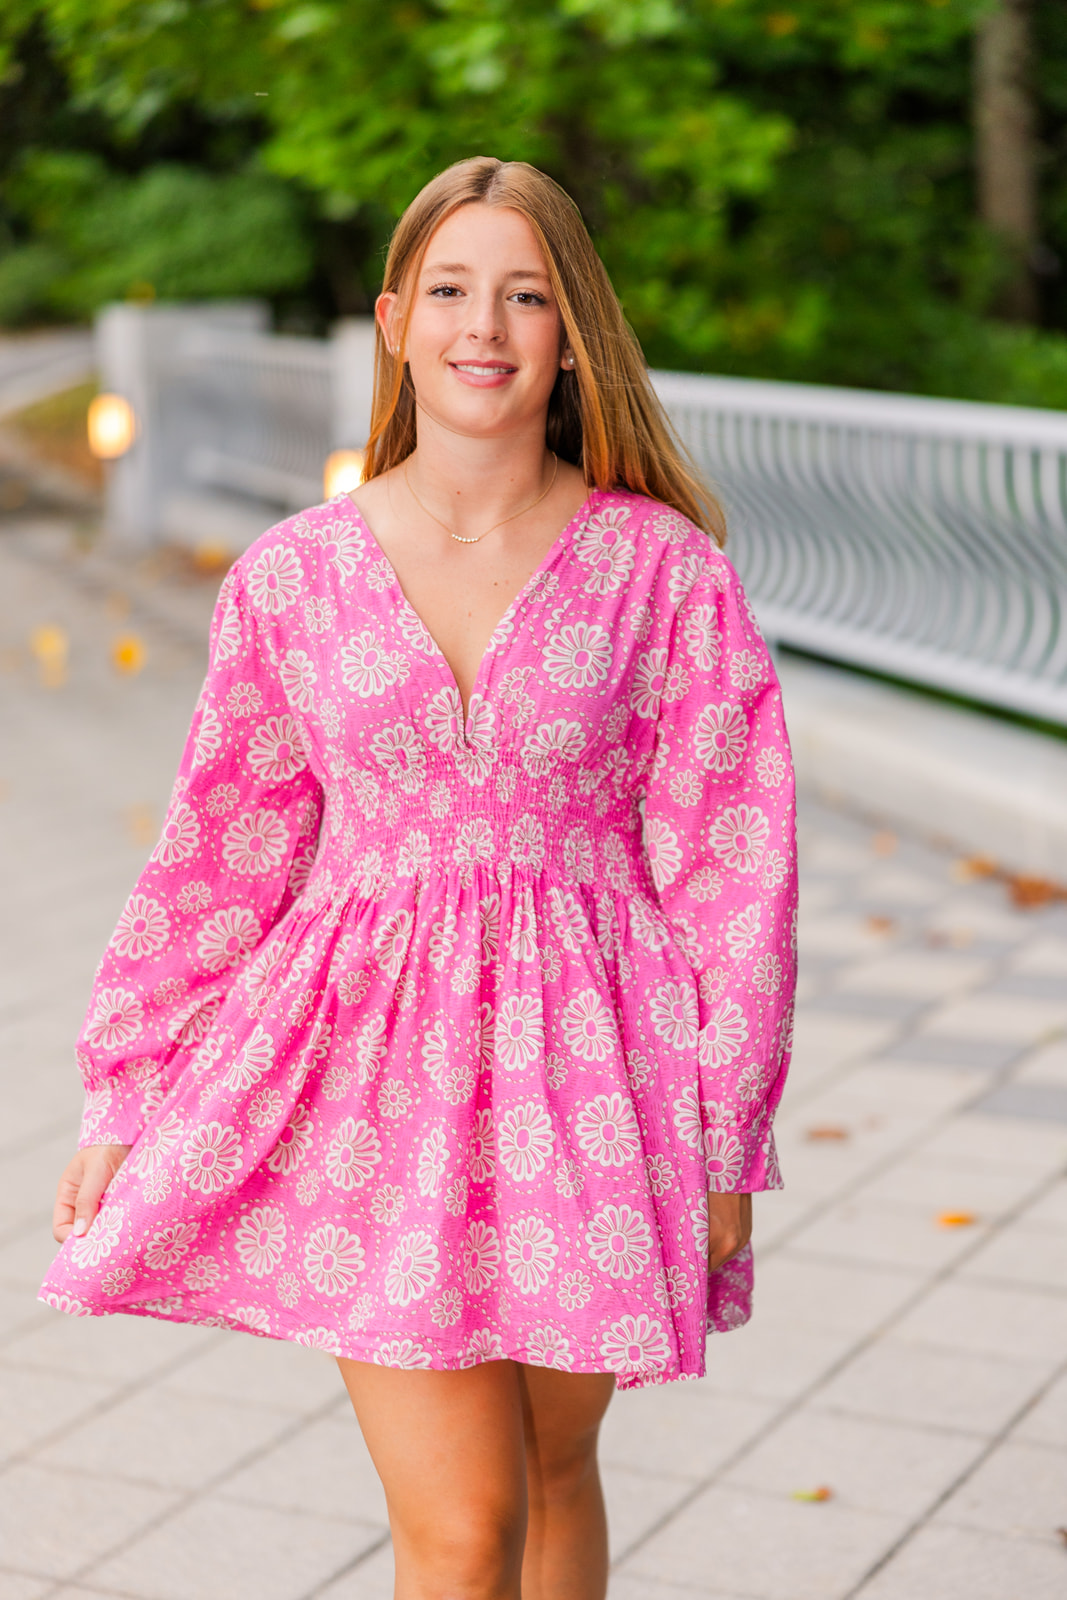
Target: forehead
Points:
(477, 235)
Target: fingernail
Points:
(80, 1227)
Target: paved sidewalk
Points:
(917, 1371)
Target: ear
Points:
(384, 313)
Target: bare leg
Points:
(448, 1447)
(567, 1539)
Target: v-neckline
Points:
(549, 559)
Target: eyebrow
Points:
(456, 267)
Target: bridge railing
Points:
(925, 539)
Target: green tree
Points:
(779, 187)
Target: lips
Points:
(483, 369)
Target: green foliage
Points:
(172, 232)
(779, 187)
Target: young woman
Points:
(445, 1027)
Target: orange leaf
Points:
(128, 654)
(828, 1131)
(956, 1219)
(877, 924)
(883, 844)
(822, 1493)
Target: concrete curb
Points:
(948, 774)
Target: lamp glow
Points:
(112, 426)
(343, 471)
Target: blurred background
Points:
(839, 228)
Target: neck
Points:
(471, 483)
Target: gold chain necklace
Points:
(458, 537)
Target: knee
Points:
(468, 1555)
(562, 1471)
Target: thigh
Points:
(562, 1413)
(448, 1446)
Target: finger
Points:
(98, 1174)
(66, 1198)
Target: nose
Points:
(485, 322)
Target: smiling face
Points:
(484, 341)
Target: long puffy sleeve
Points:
(721, 838)
(237, 843)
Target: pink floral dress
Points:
(429, 1031)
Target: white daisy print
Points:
(547, 1347)
(387, 1204)
(368, 669)
(579, 656)
(724, 1158)
(519, 1033)
(743, 931)
(391, 942)
(684, 577)
(723, 1035)
(227, 937)
(104, 1234)
(433, 1159)
(253, 1059)
(619, 1241)
(523, 943)
(775, 870)
(635, 1343)
(530, 1254)
(394, 1099)
(334, 1258)
(649, 678)
(589, 1027)
(274, 580)
(298, 679)
(568, 920)
(294, 1142)
(481, 1160)
(167, 1246)
(476, 751)
(524, 1141)
(117, 1018)
(550, 743)
(771, 768)
(403, 1353)
(673, 1008)
(607, 1130)
(480, 1257)
(352, 1154)
(664, 852)
(413, 1268)
(720, 737)
(747, 670)
(575, 1290)
(143, 930)
(703, 641)
(739, 837)
(606, 550)
(767, 974)
(526, 846)
(256, 843)
(260, 1240)
(157, 1143)
(342, 546)
(276, 751)
(211, 1158)
(180, 838)
(483, 1345)
(401, 754)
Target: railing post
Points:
(353, 381)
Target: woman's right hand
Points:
(81, 1186)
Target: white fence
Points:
(926, 539)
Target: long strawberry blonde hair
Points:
(603, 415)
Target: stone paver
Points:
(917, 1371)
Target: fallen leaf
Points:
(51, 646)
(960, 938)
(884, 843)
(117, 605)
(876, 924)
(128, 654)
(210, 557)
(1063, 1534)
(968, 868)
(828, 1132)
(956, 1219)
(141, 824)
(1026, 892)
(821, 1493)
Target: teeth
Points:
(481, 372)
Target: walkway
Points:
(916, 1371)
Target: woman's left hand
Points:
(729, 1227)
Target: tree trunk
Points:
(1006, 147)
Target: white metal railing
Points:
(922, 538)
